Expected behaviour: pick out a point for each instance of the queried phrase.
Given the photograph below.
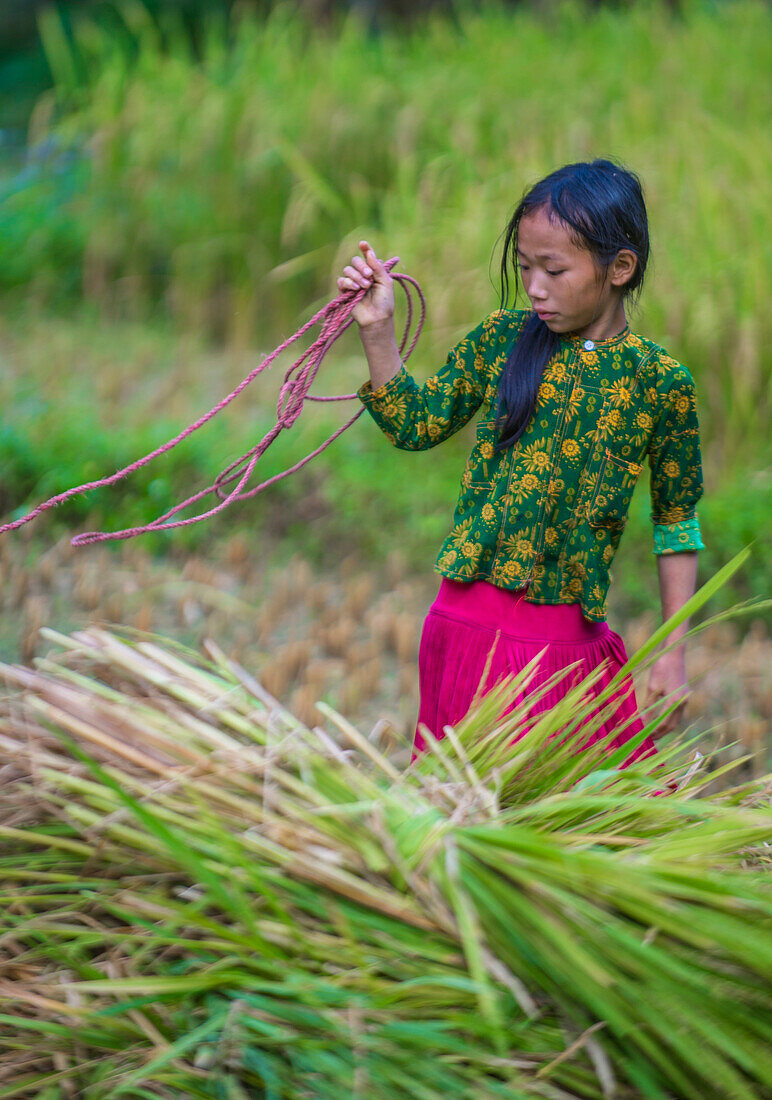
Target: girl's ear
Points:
(623, 267)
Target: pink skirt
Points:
(460, 632)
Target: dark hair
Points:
(602, 203)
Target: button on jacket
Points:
(549, 511)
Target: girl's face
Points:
(565, 284)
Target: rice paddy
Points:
(183, 210)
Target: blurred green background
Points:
(181, 183)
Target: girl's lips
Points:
(545, 313)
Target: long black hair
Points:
(602, 203)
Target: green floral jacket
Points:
(549, 511)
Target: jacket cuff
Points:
(672, 538)
(369, 397)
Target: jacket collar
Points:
(611, 341)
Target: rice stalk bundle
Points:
(202, 897)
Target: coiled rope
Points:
(334, 318)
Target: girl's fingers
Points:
(360, 265)
(363, 271)
(371, 258)
(357, 276)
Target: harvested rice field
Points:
(349, 638)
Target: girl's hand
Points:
(377, 306)
(667, 682)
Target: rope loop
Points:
(334, 319)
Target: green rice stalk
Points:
(199, 894)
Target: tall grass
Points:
(226, 187)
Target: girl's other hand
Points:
(377, 306)
(667, 684)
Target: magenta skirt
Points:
(460, 632)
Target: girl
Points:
(572, 403)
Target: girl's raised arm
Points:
(412, 417)
(374, 313)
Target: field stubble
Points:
(347, 636)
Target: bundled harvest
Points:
(204, 898)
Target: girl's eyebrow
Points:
(539, 255)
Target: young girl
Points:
(571, 404)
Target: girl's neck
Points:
(609, 323)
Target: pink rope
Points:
(335, 318)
